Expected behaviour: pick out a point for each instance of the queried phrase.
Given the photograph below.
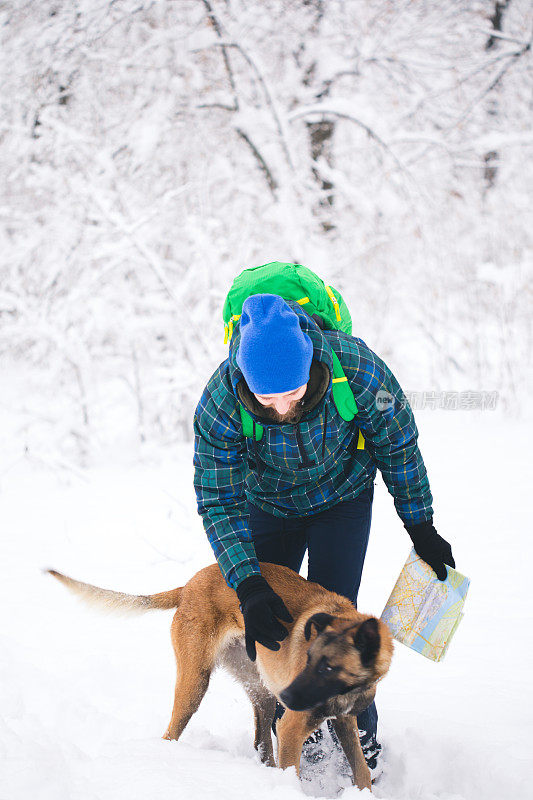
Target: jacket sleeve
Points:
(219, 480)
(388, 425)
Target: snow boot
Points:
(371, 750)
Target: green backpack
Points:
(298, 283)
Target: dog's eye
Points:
(323, 668)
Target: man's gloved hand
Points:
(431, 547)
(260, 606)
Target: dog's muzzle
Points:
(294, 700)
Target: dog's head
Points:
(343, 655)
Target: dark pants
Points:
(336, 541)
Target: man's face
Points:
(283, 404)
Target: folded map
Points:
(423, 612)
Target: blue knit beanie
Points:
(274, 353)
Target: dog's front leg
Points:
(292, 730)
(348, 735)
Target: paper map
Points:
(423, 612)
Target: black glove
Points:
(260, 605)
(431, 547)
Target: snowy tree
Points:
(152, 150)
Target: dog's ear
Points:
(320, 621)
(367, 640)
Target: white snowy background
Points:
(148, 152)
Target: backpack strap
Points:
(343, 397)
(248, 425)
(342, 394)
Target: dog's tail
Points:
(118, 601)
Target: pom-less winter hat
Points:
(274, 353)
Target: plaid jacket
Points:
(294, 479)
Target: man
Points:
(306, 483)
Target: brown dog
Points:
(327, 667)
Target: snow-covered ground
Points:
(85, 697)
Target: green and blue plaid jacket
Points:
(294, 479)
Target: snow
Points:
(133, 188)
(86, 697)
(128, 203)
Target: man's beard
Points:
(292, 415)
